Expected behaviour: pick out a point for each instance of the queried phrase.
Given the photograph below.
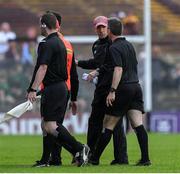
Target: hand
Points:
(110, 99)
(73, 105)
(92, 75)
(31, 96)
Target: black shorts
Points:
(54, 101)
(61, 118)
(128, 96)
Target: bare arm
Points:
(117, 74)
(116, 77)
(41, 72)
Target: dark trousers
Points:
(95, 125)
(119, 142)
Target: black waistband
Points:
(132, 82)
(53, 83)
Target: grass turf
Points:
(18, 153)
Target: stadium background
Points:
(18, 55)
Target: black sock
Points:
(65, 137)
(143, 142)
(69, 148)
(102, 142)
(55, 154)
(48, 142)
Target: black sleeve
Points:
(44, 57)
(74, 81)
(91, 63)
(45, 53)
(116, 57)
(99, 52)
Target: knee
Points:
(50, 129)
(47, 129)
(108, 125)
(136, 124)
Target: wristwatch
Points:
(112, 90)
(32, 90)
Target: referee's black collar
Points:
(120, 38)
(52, 35)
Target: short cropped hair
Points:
(49, 19)
(115, 26)
(58, 16)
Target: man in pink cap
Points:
(101, 58)
(100, 20)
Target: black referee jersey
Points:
(51, 52)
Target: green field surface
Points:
(18, 153)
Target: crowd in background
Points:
(16, 59)
(131, 22)
(18, 55)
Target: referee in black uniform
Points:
(51, 70)
(73, 86)
(125, 94)
(101, 56)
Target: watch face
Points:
(112, 90)
(33, 90)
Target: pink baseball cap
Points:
(100, 20)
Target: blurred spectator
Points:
(3, 89)
(131, 24)
(120, 14)
(18, 82)
(161, 70)
(12, 53)
(29, 47)
(161, 75)
(5, 35)
(5, 97)
(177, 76)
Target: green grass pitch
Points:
(18, 153)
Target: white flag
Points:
(17, 111)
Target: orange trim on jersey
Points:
(69, 50)
(41, 87)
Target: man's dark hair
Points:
(49, 20)
(58, 16)
(115, 26)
